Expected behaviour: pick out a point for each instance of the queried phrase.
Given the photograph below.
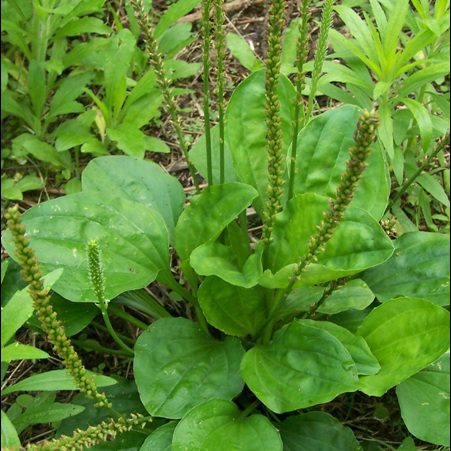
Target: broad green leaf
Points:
(11, 106)
(139, 181)
(419, 268)
(134, 246)
(430, 184)
(20, 309)
(427, 396)
(302, 366)
(219, 424)
(354, 295)
(173, 38)
(156, 145)
(408, 444)
(173, 13)
(317, 431)
(323, 149)
(240, 49)
(18, 351)
(55, 380)
(289, 48)
(82, 26)
(246, 129)
(215, 259)
(178, 366)
(360, 352)
(5, 266)
(70, 89)
(293, 228)
(234, 310)
(129, 139)
(405, 335)
(37, 87)
(198, 155)
(209, 214)
(48, 413)
(423, 119)
(10, 439)
(301, 300)
(160, 439)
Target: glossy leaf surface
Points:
(134, 246)
(405, 335)
(208, 215)
(246, 129)
(323, 148)
(218, 424)
(427, 396)
(302, 366)
(317, 431)
(343, 256)
(139, 181)
(360, 352)
(234, 310)
(420, 267)
(177, 367)
(160, 439)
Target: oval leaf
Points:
(209, 214)
(212, 425)
(246, 129)
(343, 256)
(177, 366)
(302, 366)
(18, 351)
(48, 413)
(323, 149)
(405, 335)
(317, 431)
(135, 247)
(10, 439)
(139, 181)
(426, 396)
(234, 310)
(160, 439)
(420, 267)
(365, 361)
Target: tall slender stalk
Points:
(163, 82)
(356, 165)
(206, 35)
(97, 277)
(51, 325)
(220, 46)
(273, 118)
(326, 22)
(302, 53)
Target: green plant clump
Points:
(275, 326)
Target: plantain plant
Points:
(322, 305)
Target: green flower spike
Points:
(274, 120)
(103, 432)
(356, 165)
(45, 313)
